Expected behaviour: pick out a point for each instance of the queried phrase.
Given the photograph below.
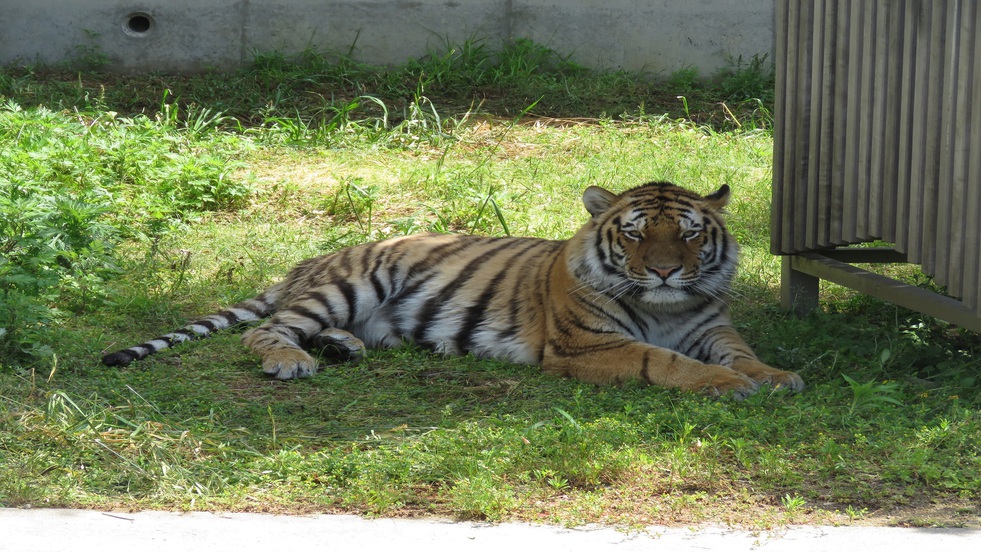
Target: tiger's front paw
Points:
(726, 382)
(287, 364)
(767, 375)
(787, 380)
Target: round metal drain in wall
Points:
(138, 24)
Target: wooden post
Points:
(798, 290)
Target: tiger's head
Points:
(659, 243)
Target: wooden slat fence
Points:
(878, 135)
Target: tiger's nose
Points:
(664, 272)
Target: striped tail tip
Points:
(120, 358)
(246, 311)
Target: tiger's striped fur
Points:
(637, 293)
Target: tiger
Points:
(638, 293)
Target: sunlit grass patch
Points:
(203, 206)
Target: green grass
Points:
(210, 187)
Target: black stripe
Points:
(258, 312)
(569, 323)
(432, 307)
(210, 325)
(230, 317)
(475, 314)
(144, 350)
(298, 333)
(441, 252)
(599, 312)
(645, 367)
(187, 332)
(686, 204)
(639, 319)
(305, 312)
(546, 300)
(514, 308)
(377, 285)
(351, 297)
(414, 282)
(561, 348)
(722, 246)
(701, 347)
(120, 358)
(368, 255)
(376, 282)
(604, 255)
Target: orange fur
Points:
(638, 293)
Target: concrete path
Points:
(42, 530)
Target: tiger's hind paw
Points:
(287, 364)
(337, 343)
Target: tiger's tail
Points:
(250, 310)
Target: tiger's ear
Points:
(598, 200)
(720, 198)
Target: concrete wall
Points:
(656, 36)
